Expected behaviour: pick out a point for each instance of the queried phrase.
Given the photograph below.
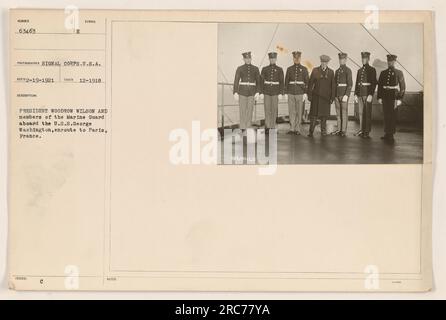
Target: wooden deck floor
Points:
(291, 149)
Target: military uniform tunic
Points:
(344, 81)
(365, 81)
(272, 80)
(247, 80)
(391, 84)
(391, 87)
(296, 79)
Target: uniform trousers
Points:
(341, 113)
(390, 115)
(295, 111)
(246, 104)
(365, 114)
(271, 104)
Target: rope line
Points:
(326, 39)
(390, 53)
(269, 45)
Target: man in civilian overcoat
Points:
(321, 93)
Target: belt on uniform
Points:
(296, 82)
(365, 84)
(390, 87)
(342, 84)
(247, 84)
(272, 82)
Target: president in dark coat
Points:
(321, 93)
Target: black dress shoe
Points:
(342, 134)
(310, 135)
(365, 136)
(290, 132)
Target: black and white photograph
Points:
(315, 93)
(236, 151)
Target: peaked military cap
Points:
(365, 54)
(297, 54)
(272, 55)
(342, 55)
(246, 54)
(391, 57)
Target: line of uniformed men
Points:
(323, 87)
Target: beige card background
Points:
(116, 208)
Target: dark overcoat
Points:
(321, 91)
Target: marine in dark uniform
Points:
(321, 93)
(364, 89)
(296, 83)
(247, 84)
(344, 84)
(391, 88)
(272, 87)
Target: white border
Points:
(439, 204)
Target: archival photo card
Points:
(220, 150)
